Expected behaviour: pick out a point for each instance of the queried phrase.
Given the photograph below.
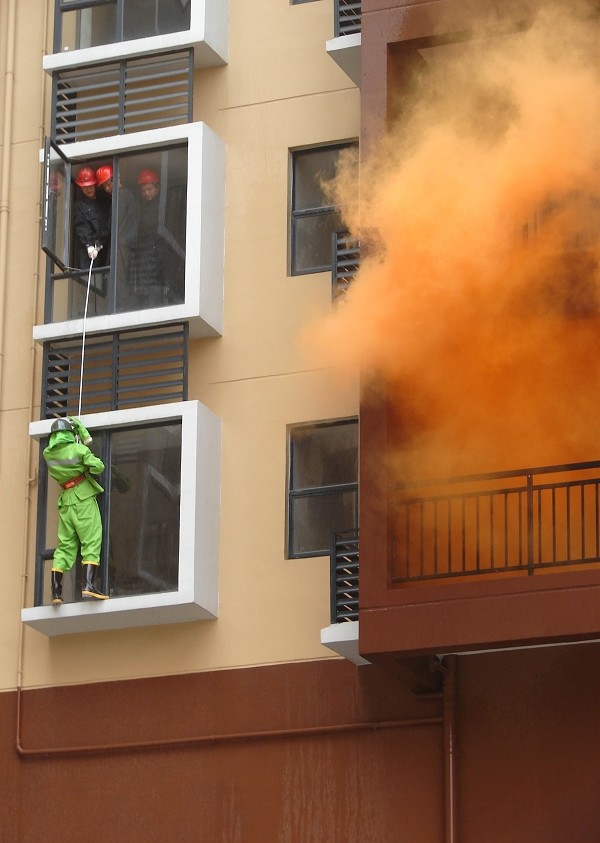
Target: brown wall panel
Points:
(529, 746)
(527, 749)
(223, 784)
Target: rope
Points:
(85, 310)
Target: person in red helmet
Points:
(160, 261)
(127, 233)
(149, 275)
(91, 223)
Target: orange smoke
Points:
(477, 308)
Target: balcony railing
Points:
(511, 522)
(344, 576)
(347, 17)
(514, 522)
(345, 262)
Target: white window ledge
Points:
(196, 597)
(345, 51)
(342, 638)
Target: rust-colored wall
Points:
(528, 731)
(527, 744)
(355, 785)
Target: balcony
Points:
(344, 48)
(491, 561)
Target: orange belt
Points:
(70, 483)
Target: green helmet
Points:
(61, 424)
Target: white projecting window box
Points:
(202, 166)
(193, 593)
(207, 35)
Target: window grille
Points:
(347, 17)
(118, 98)
(127, 369)
(344, 576)
(346, 262)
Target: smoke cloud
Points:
(476, 310)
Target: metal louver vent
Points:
(127, 369)
(345, 263)
(122, 97)
(347, 17)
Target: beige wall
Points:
(280, 90)
(21, 125)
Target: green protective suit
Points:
(79, 522)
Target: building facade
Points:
(263, 671)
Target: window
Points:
(313, 219)
(90, 31)
(140, 229)
(162, 243)
(160, 522)
(323, 485)
(95, 22)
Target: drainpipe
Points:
(450, 749)
(31, 449)
(7, 121)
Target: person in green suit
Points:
(71, 463)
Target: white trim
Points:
(343, 639)
(197, 595)
(345, 51)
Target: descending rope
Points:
(87, 298)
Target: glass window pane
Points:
(311, 240)
(325, 455)
(82, 28)
(55, 209)
(142, 18)
(144, 519)
(151, 213)
(316, 517)
(69, 295)
(311, 168)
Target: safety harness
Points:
(74, 482)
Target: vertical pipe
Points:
(450, 749)
(7, 123)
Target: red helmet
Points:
(86, 177)
(103, 174)
(148, 177)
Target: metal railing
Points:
(516, 521)
(122, 97)
(127, 369)
(347, 17)
(345, 262)
(344, 576)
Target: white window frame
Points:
(205, 235)
(208, 35)
(196, 597)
